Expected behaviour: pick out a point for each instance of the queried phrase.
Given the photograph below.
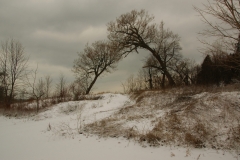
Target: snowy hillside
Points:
(149, 125)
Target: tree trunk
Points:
(37, 104)
(163, 81)
(91, 85)
(150, 78)
(10, 97)
(168, 75)
(9, 100)
(170, 79)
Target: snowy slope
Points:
(60, 134)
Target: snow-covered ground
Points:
(60, 134)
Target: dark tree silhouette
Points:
(215, 70)
(206, 74)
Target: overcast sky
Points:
(53, 31)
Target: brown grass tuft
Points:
(193, 140)
(152, 138)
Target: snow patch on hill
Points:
(73, 130)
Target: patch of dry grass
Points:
(190, 116)
(89, 97)
(107, 127)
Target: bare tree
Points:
(143, 78)
(77, 89)
(135, 30)
(61, 88)
(13, 64)
(48, 83)
(1, 88)
(221, 58)
(93, 61)
(170, 58)
(185, 71)
(223, 20)
(154, 68)
(37, 88)
(130, 85)
(227, 21)
(138, 82)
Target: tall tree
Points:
(95, 60)
(13, 64)
(135, 30)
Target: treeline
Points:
(20, 84)
(220, 69)
(216, 69)
(165, 67)
(130, 33)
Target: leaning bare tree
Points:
(93, 61)
(13, 64)
(136, 30)
(167, 48)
